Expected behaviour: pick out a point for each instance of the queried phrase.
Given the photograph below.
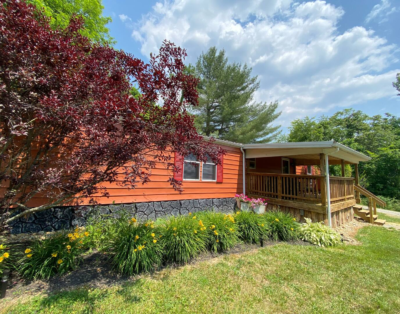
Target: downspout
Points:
(328, 186)
(244, 170)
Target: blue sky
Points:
(313, 57)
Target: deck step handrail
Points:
(369, 194)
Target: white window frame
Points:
(202, 171)
(288, 160)
(309, 172)
(192, 162)
(255, 163)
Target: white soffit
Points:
(330, 148)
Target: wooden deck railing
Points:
(342, 189)
(301, 188)
(372, 201)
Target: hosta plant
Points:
(221, 230)
(251, 227)
(319, 234)
(57, 254)
(283, 226)
(184, 237)
(137, 248)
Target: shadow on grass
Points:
(84, 299)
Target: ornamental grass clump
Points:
(319, 234)
(221, 230)
(57, 254)
(283, 226)
(184, 237)
(103, 230)
(137, 248)
(251, 227)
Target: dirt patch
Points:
(349, 231)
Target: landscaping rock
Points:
(68, 217)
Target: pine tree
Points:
(227, 110)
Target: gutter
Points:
(244, 170)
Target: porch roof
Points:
(306, 153)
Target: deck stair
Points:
(370, 214)
(364, 215)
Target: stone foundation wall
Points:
(69, 217)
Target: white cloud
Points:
(126, 20)
(381, 10)
(296, 49)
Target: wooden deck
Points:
(304, 195)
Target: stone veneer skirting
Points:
(69, 217)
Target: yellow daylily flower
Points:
(54, 254)
(153, 235)
(29, 255)
(28, 251)
(59, 261)
(68, 247)
(6, 255)
(154, 241)
(86, 234)
(1, 259)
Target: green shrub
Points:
(221, 230)
(184, 237)
(137, 248)
(319, 234)
(103, 230)
(251, 227)
(57, 254)
(391, 203)
(283, 226)
(7, 258)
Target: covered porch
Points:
(317, 194)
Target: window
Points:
(252, 163)
(309, 170)
(285, 165)
(209, 170)
(191, 168)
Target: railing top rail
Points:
(297, 176)
(342, 178)
(285, 175)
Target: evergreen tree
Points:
(227, 110)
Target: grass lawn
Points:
(282, 278)
(389, 218)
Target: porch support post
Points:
(323, 183)
(342, 163)
(328, 190)
(356, 181)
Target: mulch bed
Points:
(96, 270)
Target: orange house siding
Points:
(159, 189)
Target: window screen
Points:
(191, 168)
(209, 170)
